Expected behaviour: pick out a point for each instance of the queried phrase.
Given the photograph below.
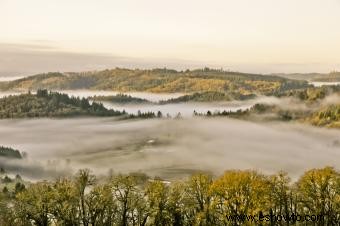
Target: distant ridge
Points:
(157, 81)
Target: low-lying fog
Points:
(9, 78)
(319, 84)
(166, 148)
(186, 109)
(154, 97)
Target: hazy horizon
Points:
(260, 36)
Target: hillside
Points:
(208, 96)
(328, 117)
(260, 112)
(44, 104)
(158, 81)
(120, 99)
(311, 94)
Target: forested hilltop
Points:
(50, 104)
(158, 81)
(208, 96)
(328, 116)
(202, 199)
(121, 99)
(7, 152)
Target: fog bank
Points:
(166, 148)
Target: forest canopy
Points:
(208, 96)
(202, 199)
(50, 104)
(9, 152)
(120, 98)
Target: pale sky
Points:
(259, 36)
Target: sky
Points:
(259, 36)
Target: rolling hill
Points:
(45, 104)
(158, 81)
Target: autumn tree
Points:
(124, 191)
(198, 198)
(34, 204)
(158, 197)
(239, 193)
(319, 193)
(83, 180)
(65, 202)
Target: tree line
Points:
(53, 104)
(202, 199)
(50, 104)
